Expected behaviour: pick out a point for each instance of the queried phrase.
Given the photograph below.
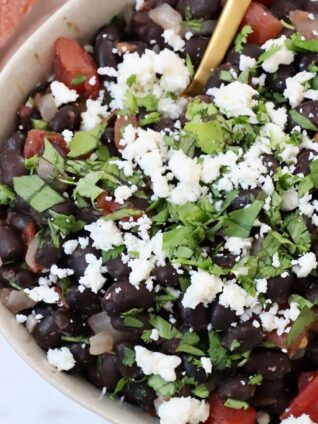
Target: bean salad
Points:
(165, 247)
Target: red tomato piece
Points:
(265, 26)
(305, 402)
(29, 232)
(220, 414)
(282, 342)
(106, 206)
(71, 61)
(34, 143)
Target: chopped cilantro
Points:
(6, 195)
(165, 329)
(85, 142)
(239, 223)
(161, 386)
(218, 354)
(241, 38)
(269, 53)
(38, 124)
(256, 379)
(302, 121)
(236, 404)
(209, 135)
(52, 156)
(129, 357)
(314, 172)
(302, 323)
(78, 79)
(113, 253)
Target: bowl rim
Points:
(76, 388)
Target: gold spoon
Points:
(224, 33)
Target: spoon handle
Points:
(224, 33)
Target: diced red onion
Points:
(16, 301)
(166, 17)
(303, 23)
(101, 323)
(101, 343)
(47, 107)
(45, 170)
(31, 254)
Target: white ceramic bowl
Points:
(31, 64)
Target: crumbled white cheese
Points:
(139, 4)
(70, 246)
(93, 277)
(124, 192)
(235, 99)
(246, 63)
(68, 136)
(278, 116)
(105, 234)
(275, 260)
(236, 298)
(83, 242)
(283, 56)
(62, 94)
(304, 265)
(289, 200)
(261, 285)
(295, 90)
(305, 206)
(154, 334)
(21, 319)
(95, 112)
(157, 363)
(238, 245)
(43, 294)
(140, 271)
(203, 289)
(210, 169)
(60, 273)
(61, 358)
(173, 39)
(303, 419)
(206, 365)
(183, 410)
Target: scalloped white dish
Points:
(28, 66)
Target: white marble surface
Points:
(26, 398)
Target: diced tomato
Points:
(282, 342)
(34, 143)
(29, 232)
(265, 26)
(220, 414)
(305, 402)
(106, 206)
(71, 61)
(304, 23)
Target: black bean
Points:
(221, 317)
(272, 364)
(131, 371)
(195, 48)
(165, 124)
(85, 302)
(280, 406)
(279, 288)
(141, 394)
(110, 32)
(11, 246)
(11, 165)
(109, 372)
(198, 373)
(15, 142)
(281, 8)
(104, 53)
(244, 198)
(19, 220)
(145, 29)
(237, 387)
(197, 318)
(250, 50)
(245, 334)
(169, 346)
(270, 163)
(166, 275)
(46, 333)
(25, 279)
(66, 118)
(25, 116)
(303, 60)
(141, 204)
(312, 351)
(267, 393)
(47, 254)
(312, 293)
(117, 269)
(123, 296)
(131, 47)
(199, 8)
(81, 355)
(7, 274)
(215, 80)
(225, 260)
(88, 215)
(68, 322)
(277, 80)
(171, 3)
(304, 160)
(77, 262)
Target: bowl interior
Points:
(32, 64)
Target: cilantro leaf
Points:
(314, 172)
(120, 386)
(112, 253)
(297, 229)
(209, 135)
(241, 38)
(129, 357)
(240, 222)
(165, 329)
(78, 79)
(217, 352)
(85, 142)
(236, 404)
(161, 386)
(86, 186)
(52, 156)
(299, 44)
(268, 53)
(302, 121)
(201, 391)
(302, 323)
(122, 213)
(6, 195)
(38, 124)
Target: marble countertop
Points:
(26, 398)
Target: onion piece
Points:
(101, 343)
(46, 170)
(31, 323)
(47, 107)
(31, 254)
(166, 17)
(16, 301)
(307, 27)
(100, 323)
